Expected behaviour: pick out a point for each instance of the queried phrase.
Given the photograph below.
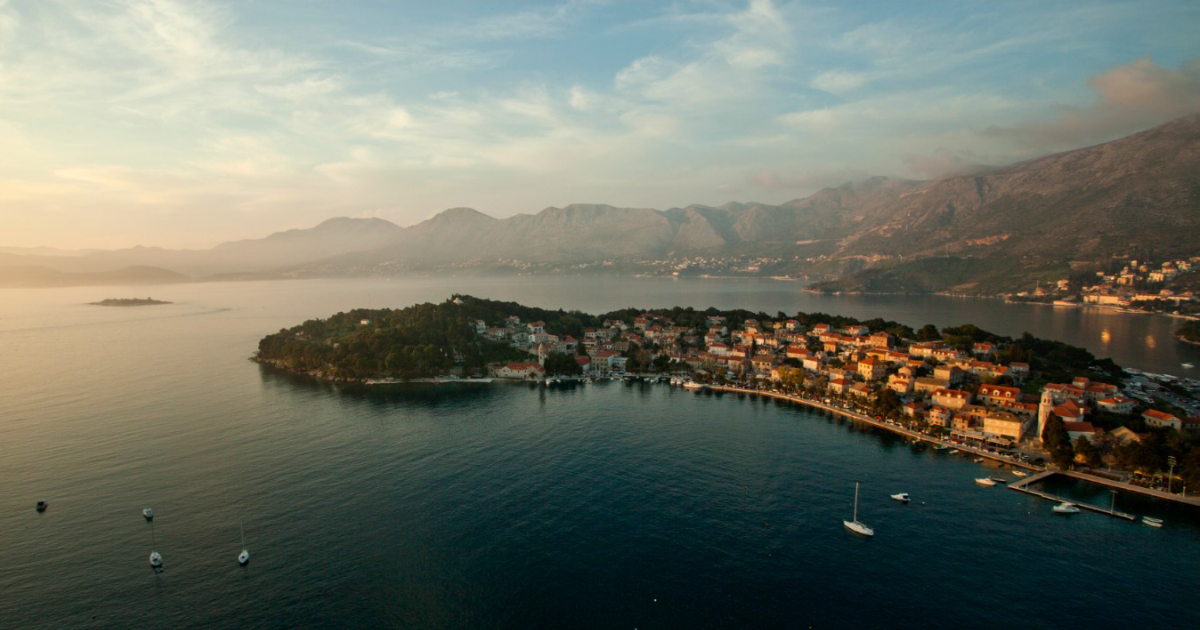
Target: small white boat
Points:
(941, 447)
(155, 559)
(1066, 507)
(148, 513)
(693, 385)
(998, 479)
(1020, 473)
(978, 460)
(1186, 365)
(902, 497)
(854, 525)
(984, 481)
(1156, 523)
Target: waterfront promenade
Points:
(894, 428)
(916, 435)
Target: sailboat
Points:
(243, 557)
(854, 525)
(155, 557)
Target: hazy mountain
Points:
(33, 276)
(987, 231)
(1137, 195)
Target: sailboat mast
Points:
(856, 502)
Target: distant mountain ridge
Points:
(992, 230)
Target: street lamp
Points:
(1171, 474)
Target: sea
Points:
(608, 505)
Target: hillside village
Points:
(970, 391)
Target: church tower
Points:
(1044, 409)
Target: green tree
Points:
(1085, 452)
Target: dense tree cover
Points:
(559, 364)
(1058, 442)
(1190, 330)
(1086, 453)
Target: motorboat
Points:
(1156, 523)
(998, 479)
(156, 560)
(854, 525)
(693, 385)
(985, 481)
(148, 513)
(901, 497)
(978, 460)
(42, 505)
(1020, 473)
(1066, 507)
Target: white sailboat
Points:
(156, 560)
(148, 513)
(243, 557)
(854, 525)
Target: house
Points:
(940, 416)
(585, 364)
(1116, 404)
(839, 385)
(1017, 369)
(950, 373)
(983, 349)
(901, 383)
(1124, 435)
(1156, 418)
(880, 340)
(998, 394)
(1004, 424)
(856, 330)
(1190, 426)
(951, 398)
(913, 409)
(1076, 430)
(521, 370)
(929, 384)
(872, 369)
(861, 389)
(1069, 411)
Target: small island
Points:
(128, 302)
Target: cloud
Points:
(1129, 98)
(944, 162)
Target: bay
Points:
(511, 506)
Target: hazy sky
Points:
(184, 124)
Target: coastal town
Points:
(964, 392)
(1134, 285)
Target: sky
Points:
(186, 124)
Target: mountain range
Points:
(995, 230)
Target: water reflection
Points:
(1150, 343)
(1105, 336)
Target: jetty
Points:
(1023, 486)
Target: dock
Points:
(1023, 486)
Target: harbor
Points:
(1023, 486)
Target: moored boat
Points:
(42, 505)
(1066, 507)
(156, 560)
(998, 479)
(984, 481)
(854, 525)
(1020, 473)
(1156, 523)
(901, 497)
(148, 513)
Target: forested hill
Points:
(434, 339)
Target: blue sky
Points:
(184, 124)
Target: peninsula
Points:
(959, 383)
(128, 302)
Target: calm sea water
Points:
(602, 506)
